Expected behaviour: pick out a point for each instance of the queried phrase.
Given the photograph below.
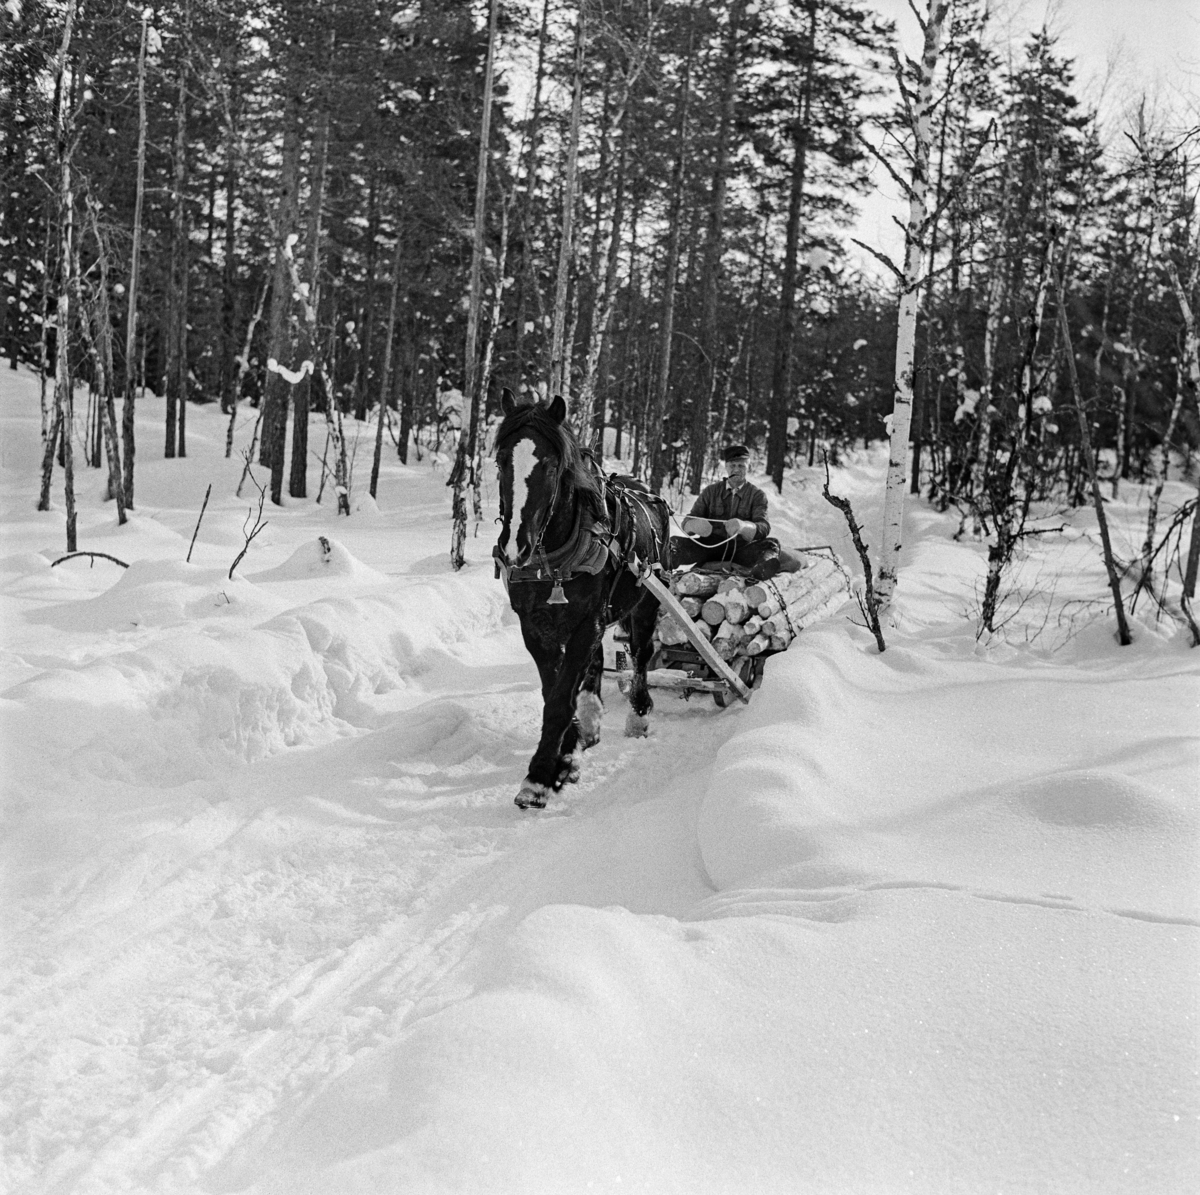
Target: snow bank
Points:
(892, 1046)
(1043, 778)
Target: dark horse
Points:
(571, 545)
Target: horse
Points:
(572, 544)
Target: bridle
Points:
(537, 549)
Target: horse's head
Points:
(533, 459)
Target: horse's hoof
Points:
(531, 795)
(588, 711)
(637, 726)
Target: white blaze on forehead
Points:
(524, 461)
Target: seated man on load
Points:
(728, 522)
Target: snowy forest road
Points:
(317, 903)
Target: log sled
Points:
(717, 626)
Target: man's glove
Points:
(737, 527)
(695, 525)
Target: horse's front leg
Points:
(555, 762)
(589, 706)
(640, 624)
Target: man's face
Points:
(735, 471)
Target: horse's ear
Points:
(508, 403)
(558, 408)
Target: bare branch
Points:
(882, 258)
(94, 555)
(904, 185)
(870, 604)
(255, 522)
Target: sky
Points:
(1122, 49)
(1148, 39)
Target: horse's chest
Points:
(551, 626)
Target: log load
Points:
(744, 617)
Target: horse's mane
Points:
(578, 464)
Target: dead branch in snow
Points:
(254, 520)
(203, 508)
(93, 555)
(868, 603)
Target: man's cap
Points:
(735, 452)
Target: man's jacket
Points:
(718, 502)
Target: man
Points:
(729, 522)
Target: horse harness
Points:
(593, 543)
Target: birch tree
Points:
(918, 103)
(464, 461)
(559, 371)
(64, 385)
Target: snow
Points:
(920, 922)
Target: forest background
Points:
(384, 213)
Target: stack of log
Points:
(744, 617)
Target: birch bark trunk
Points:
(560, 371)
(64, 399)
(465, 455)
(102, 348)
(298, 477)
(906, 320)
(284, 286)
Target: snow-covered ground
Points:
(921, 922)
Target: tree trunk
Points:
(654, 429)
(559, 371)
(243, 364)
(713, 249)
(1085, 448)
(386, 385)
(785, 343)
(529, 282)
(922, 378)
(100, 343)
(465, 456)
(229, 370)
(601, 319)
(276, 392)
(906, 319)
(177, 362)
(362, 397)
(64, 390)
(1193, 557)
(298, 477)
(131, 321)
(44, 334)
